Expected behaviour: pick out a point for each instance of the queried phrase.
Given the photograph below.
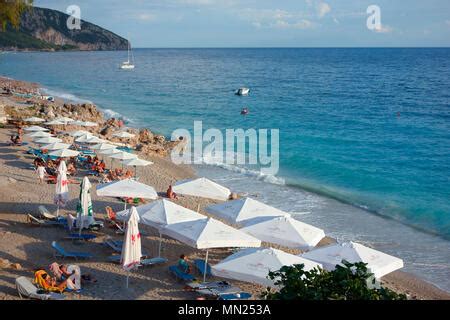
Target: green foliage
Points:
(11, 11)
(348, 282)
(21, 40)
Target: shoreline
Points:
(160, 176)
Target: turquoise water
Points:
(368, 127)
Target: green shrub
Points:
(348, 282)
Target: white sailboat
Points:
(129, 63)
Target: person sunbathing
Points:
(170, 194)
(128, 174)
(43, 279)
(71, 169)
(183, 265)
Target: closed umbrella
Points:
(85, 214)
(62, 187)
(131, 249)
(64, 153)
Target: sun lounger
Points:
(180, 275)
(40, 222)
(27, 289)
(200, 265)
(116, 245)
(207, 285)
(235, 296)
(60, 252)
(153, 261)
(46, 214)
(77, 236)
(219, 291)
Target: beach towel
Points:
(74, 281)
(40, 281)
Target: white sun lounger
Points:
(46, 214)
(26, 289)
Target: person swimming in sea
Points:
(244, 111)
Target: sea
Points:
(364, 134)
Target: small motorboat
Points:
(242, 91)
(244, 111)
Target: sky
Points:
(268, 23)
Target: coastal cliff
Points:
(46, 29)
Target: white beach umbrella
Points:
(244, 210)
(56, 146)
(94, 140)
(47, 140)
(35, 128)
(85, 214)
(131, 249)
(161, 213)
(108, 151)
(253, 265)
(88, 124)
(122, 155)
(102, 146)
(287, 232)
(378, 263)
(64, 120)
(209, 233)
(136, 163)
(54, 123)
(34, 119)
(80, 133)
(126, 188)
(202, 187)
(84, 138)
(38, 134)
(123, 134)
(64, 153)
(77, 123)
(62, 187)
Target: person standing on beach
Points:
(41, 172)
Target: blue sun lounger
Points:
(200, 265)
(235, 296)
(180, 275)
(77, 236)
(60, 252)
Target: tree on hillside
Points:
(352, 281)
(11, 12)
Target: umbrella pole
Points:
(160, 242)
(206, 266)
(57, 210)
(128, 275)
(135, 172)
